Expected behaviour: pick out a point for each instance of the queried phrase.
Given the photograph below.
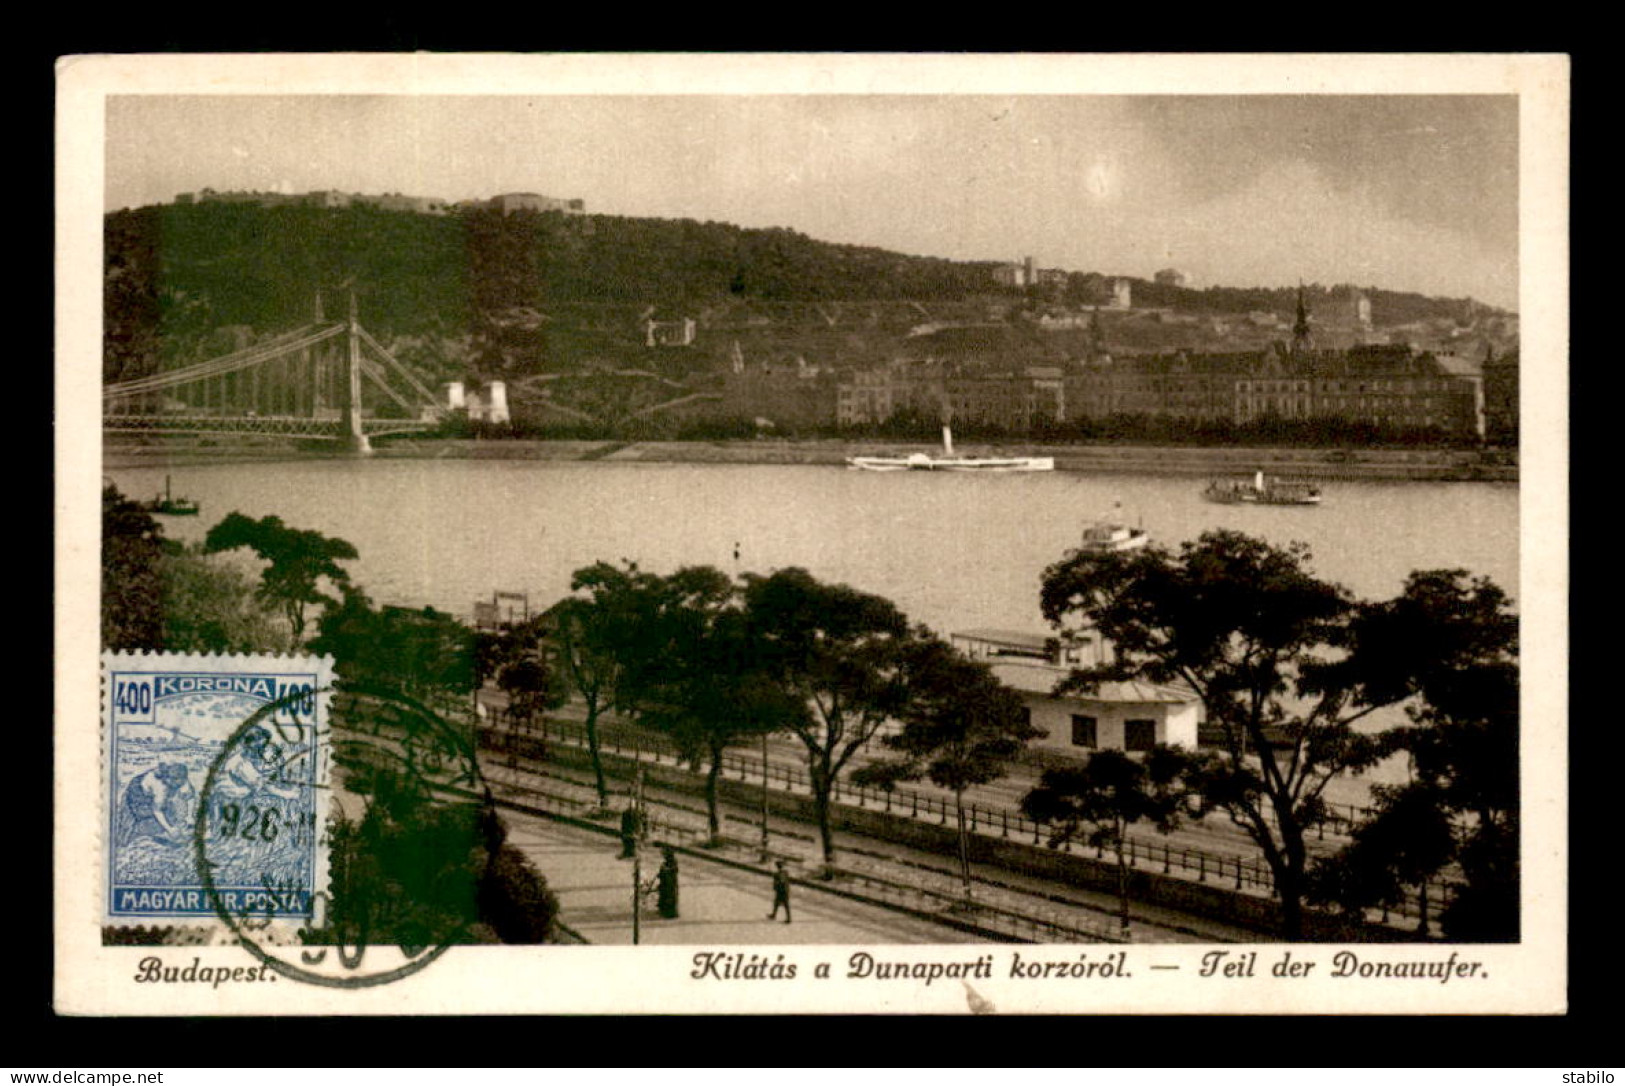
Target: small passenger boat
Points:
(949, 461)
(1262, 490)
(1109, 536)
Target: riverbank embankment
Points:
(1309, 463)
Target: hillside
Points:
(485, 294)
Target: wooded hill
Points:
(176, 274)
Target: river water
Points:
(953, 551)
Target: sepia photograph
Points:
(807, 534)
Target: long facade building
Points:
(1383, 386)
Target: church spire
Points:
(1302, 340)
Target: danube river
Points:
(953, 551)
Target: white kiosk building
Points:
(1129, 716)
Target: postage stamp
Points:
(216, 787)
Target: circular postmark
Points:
(341, 836)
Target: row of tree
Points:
(713, 664)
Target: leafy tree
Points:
(699, 678)
(1407, 840)
(532, 688)
(961, 728)
(416, 871)
(133, 545)
(1468, 744)
(212, 608)
(1277, 658)
(1449, 641)
(841, 653)
(298, 562)
(1105, 796)
(599, 631)
(425, 654)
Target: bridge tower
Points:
(355, 436)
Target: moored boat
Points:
(166, 504)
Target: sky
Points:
(1404, 192)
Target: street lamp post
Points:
(767, 853)
(640, 832)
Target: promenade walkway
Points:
(719, 905)
(915, 889)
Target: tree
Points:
(961, 728)
(532, 688)
(1106, 795)
(1405, 842)
(133, 546)
(700, 681)
(212, 608)
(1468, 744)
(299, 561)
(840, 653)
(597, 633)
(419, 870)
(1450, 642)
(424, 654)
(1270, 651)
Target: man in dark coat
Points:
(781, 893)
(631, 829)
(666, 885)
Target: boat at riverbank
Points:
(1262, 490)
(166, 504)
(949, 461)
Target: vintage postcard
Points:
(900, 534)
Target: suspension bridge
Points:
(325, 381)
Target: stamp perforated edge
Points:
(207, 928)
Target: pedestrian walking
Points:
(666, 885)
(631, 830)
(781, 893)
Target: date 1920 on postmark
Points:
(215, 788)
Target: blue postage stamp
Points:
(215, 785)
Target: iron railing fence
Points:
(1236, 872)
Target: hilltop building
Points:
(331, 198)
(1361, 311)
(1122, 294)
(510, 202)
(678, 333)
(507, 203)
(1023, 273)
